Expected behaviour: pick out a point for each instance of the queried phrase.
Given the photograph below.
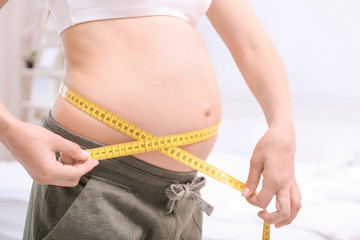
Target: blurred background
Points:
(319, 42)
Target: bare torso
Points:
(151, 71)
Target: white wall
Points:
(318, 40)
(9, 61)
(9, 56)
(15, 17)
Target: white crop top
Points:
(71, 12)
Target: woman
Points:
(145, 62)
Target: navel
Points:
(207, 112)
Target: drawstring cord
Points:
(187, 190)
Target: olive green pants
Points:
(121, 198)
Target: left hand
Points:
(273, 157)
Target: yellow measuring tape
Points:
(146, 142)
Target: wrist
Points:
(5, 128)
(285, 125)
(286, 134)
(284, 121)
(278, 114)
(7, 123)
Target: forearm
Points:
(6, 120)
(265, 74)
(2, 3)
(254, 54)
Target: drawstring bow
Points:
(187, 190)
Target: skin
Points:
(2, 3)
(264, 72)
(35, 149)
(140, 69)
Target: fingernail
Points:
(245, 192)
(85, 154)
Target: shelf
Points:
(43, 72)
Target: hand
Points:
(273, 157)
(35, 147)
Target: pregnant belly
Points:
(153, 72)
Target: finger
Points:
(253, 199)
(68, 175)
(253, 177)
(65, 159)
(295, 200)
(71, 149)
(283, 208)
(264, 197)
(77, 170)
(85, 167)
(78, 162)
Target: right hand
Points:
(273, 158)
(35, 148)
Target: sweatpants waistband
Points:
(127, 171)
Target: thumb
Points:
(87, 166)
(71, 149)
(253, 177)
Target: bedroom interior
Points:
(319, 43)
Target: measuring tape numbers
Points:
(146, 142)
